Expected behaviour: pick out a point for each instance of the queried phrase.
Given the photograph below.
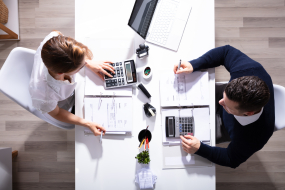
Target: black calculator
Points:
(176, 126)
(125, 74)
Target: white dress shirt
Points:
(47, 92)
(245, 120)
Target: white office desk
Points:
(112, 165)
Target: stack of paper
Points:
(145, 179)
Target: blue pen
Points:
(179, 65)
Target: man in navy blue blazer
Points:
(246, 107)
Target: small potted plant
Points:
(143, 157)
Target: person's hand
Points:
(190, 146)
(186, 68)
(99, 67)
(96, 128)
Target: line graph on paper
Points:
(178, 90)
(184, 89)
(116, 114)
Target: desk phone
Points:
(125, 75)
(176, 126)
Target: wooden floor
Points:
(46, 153)
(257, 28)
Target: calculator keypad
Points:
(186, 125)
(117, 79)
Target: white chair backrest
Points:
(279, 98)
(15, 76)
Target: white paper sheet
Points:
(201, 119)
(113, 50)
(176, 157)
(184, 89)
(145, 178)
(114, 114)
(183, 160)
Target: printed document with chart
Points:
(184, 95)
(184, 89)
(112, 108)
(110, 112)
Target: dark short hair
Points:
(250, 92)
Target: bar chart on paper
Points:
(115, 113)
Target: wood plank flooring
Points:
(46, 153)
(257, 28)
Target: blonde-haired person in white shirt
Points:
(57, 60)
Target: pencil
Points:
(145, 132)
(144, 135)
(141, 143)
(147, 143)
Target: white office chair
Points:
(14, 82)
(279, 99)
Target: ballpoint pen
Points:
(101, 134)
(101, 137)
(179, 65)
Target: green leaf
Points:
(143, 157)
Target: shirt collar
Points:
(245, 120)
(64, 88)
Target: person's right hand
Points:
(186, 68)
(96, 128)
(99, 67)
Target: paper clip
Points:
(100, 100)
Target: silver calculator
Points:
(176, 126)
(125, 75)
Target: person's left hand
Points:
(190, 144)
(99, 67)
